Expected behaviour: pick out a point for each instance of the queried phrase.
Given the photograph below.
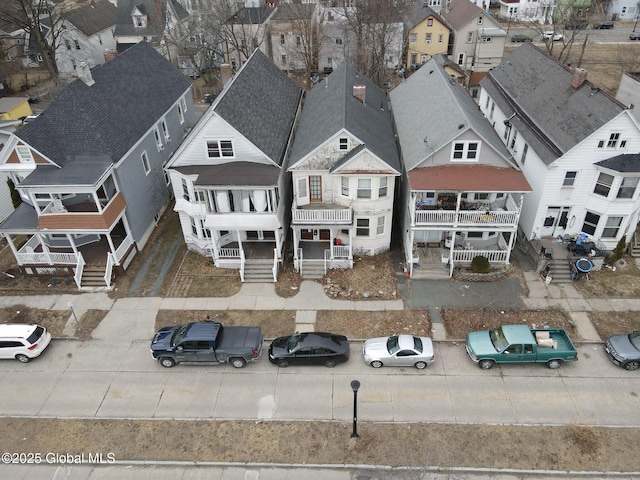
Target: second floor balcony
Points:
(485, 215)
(321, 214)
(61, 215)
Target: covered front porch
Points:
(47, 252)
(318, 249)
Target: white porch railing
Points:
(242, 260)
(467, 218)
(107, 274)
(466, 256)
(341, 251)
(79, 269)
(229, 253)
(275, 264)
(44, 258)
(329, 216)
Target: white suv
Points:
(22, 342)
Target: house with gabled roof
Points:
(89, 169)
(577, 145)
(250, 30)
(229, 178)
(155, 21)
(293, 31)
(88, 32)
(344, 163)
(461, 190)
(428, 35)
(478, 39)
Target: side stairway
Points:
(560, 270)
(635, 247)
(257, 270)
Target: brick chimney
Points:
(579, 76)
(360, 92)
(225, 73)
(110, 54)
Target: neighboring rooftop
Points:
(93, 17)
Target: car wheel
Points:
(485, 364)
(376, 364)
(421, 365)
(330, 363)
(238, 362)
(21, 357)
(167, 362)
(283, 364)
(553, 364)
(632, 366)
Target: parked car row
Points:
(210, 342)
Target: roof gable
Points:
(128, 97)
(331, 107)
(430, 93)
(549, 110)
(93, 17)
(261, 103)
(460, 12)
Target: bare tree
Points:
(375, 26)
(43, 22)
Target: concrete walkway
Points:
(428, 295)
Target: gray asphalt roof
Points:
(246, 174)
(23, 219)
(431, 110)
(106, 119)
(551, 115)
(93, 17)
(156, 11)
(330, 107)
(261, 103)
(626, 163)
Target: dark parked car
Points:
(603, 25)
(314, 348)
(624, 350)
(634, 36)
(576, 25)
(518, 37)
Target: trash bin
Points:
(208, 98)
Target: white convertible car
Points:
(399, 351)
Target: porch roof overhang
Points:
(23, 219)
(468, 178)
(81, 172)
(235, 174)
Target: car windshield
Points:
(498, 340)
(294, 341)
(179, 335)
(634, 338)
(392, 344)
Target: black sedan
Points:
(624, 350)
(314, 348)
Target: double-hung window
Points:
(364, 188)
(569, 179)
(165, 130)
(145, 163)
(219, 148)
(590, 223)
(612, 227)
(628, 187)
(362, 227)
(344, 184)
(382, 188)
(380, 226)
(603, 185)
(156, 135)
(465, 151)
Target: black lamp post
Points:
(355, 385)
(636, 24)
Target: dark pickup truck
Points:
(207, 342)
(520, 344)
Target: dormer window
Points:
(139, 17)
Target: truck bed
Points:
(235, 338)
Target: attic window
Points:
(25, 154)
(430, 22)
(218, 149)
(480, 20)
(465, 151)
(344, 144)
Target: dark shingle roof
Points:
(551, 115)
(252, 16)
(93, 17)
(293, 11)
(627, 163)
(261, 102)
(106, 119)
(330, 107)
(431, 110)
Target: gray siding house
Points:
(90, 168)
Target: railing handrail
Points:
(242, 260)
(79, 270)
(275, 264)
(109, 270)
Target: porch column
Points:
(112, 248)
(351, 244)
(96, 200)
(45, 249)
(512, 241)
(278, 236)
(13, 247)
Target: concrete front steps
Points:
(93, 278)
(560, 271)
(258, 270)
(312, 270)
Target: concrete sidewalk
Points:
(427, 295)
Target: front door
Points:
(315, 188)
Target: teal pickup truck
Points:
(520, 344)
